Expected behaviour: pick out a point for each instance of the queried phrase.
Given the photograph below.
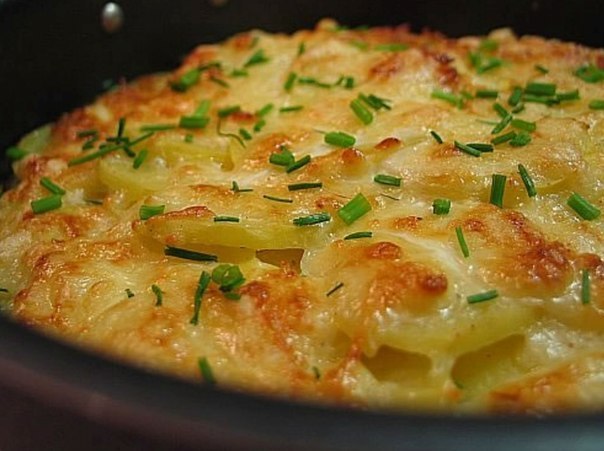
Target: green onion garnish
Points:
(140, 158)
(258, 126)
(289, 83)
(394, 47)
(491, 63)
(467, 149)
(453, 99)
(15, 153)
(540, 68)
(108, 149)
(497, 189)
(189, 255)
(568, 96)
(192, 122)
(226, 219)
(500, 110)
(206, 371)
(487, 94)
(357, 235)
(257, 58)
(129, 293)
(334, 289)
(585, 287)
(278, 199)
(596, 104)
(265, 110)
(157, 127)
(50, 186)
(583, 208)
(590, 73)
(290, 109)
(228, 277)
(298, 164)
(540, 89)
(340, 139)
(283, 158)
(313, 219)
(235, 188)
(364, 115)
(549, 101)
(187, 80)
(436, 137)
(45, 204)
(387, 180)
(202, 285)
(518, 108)
(227, 111)
(529, 184)
(239, 73)
(441, 206)
(482, 297)
(346, 82)
(521, 139)
(515, 97)
(502, 124)
(355, 209)
(375, 102)
(489, 45)
(462, 242)
(304, 185)
(87, 133)
(245, 134)
(3, 290)
(482, 147)
(219, 82)
(524, 125)
(148, 211)
(503, 138)
(159, 295)
(301, 48)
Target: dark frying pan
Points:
(54, 56)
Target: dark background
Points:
(54, 55)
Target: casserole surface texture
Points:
(339, 215)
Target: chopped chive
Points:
(258, 126)
(141, 138)
(15, 153)
(467, 149)
(186, 81)
(210, 65)
(375, 102)
(148, 211)
(159, 295)
(301, 48)
(394, 47)
(90, 143)
(228, 277)
(482, 147)
(121, 126)
(45, 204)
(313, 81)
(157, 127)
(515, 97)
(462, 242)
(540, 89)
(583, 208)
(568, 96)
(436, 137)
(497, 189)
(345, 81)
(87, 133)
(482, 297)
(228, 135)
(3, 290)
(502, 124)
(466, 95)
(489, 45)
(540, 68)
(298, 164)
(357, 235)
(524, 125)
(193, 122)
(235, 188)
(441, 206)
(590, 73)
(278, 199)
(245, 134)
(305, 185)
(521, 139)
(239, 73)
(206, 371)
(361, 45)
(334, 289)
(313, 219)
(202, 285)
(290, 109)
(226, 219)
(364, 115)
(500, 110)
(94, 155)
(189, 255)
(227, 111)
(283, 158)
(518, 108)
(529, 184)
(585, 287)
(289, 83)
(453, 99)
(596, 104)
(355, 209)
(487, 94)
(384, 179)
(316, 372)
(549, 101)
(51, 186)
(257, 58)
(492, 63)
(129, 293)
(140, 158)
(219, 82)
(340, 139)
(265, 110)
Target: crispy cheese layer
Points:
(251, 154)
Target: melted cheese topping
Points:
(398, 332)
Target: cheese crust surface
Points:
(373, 189)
